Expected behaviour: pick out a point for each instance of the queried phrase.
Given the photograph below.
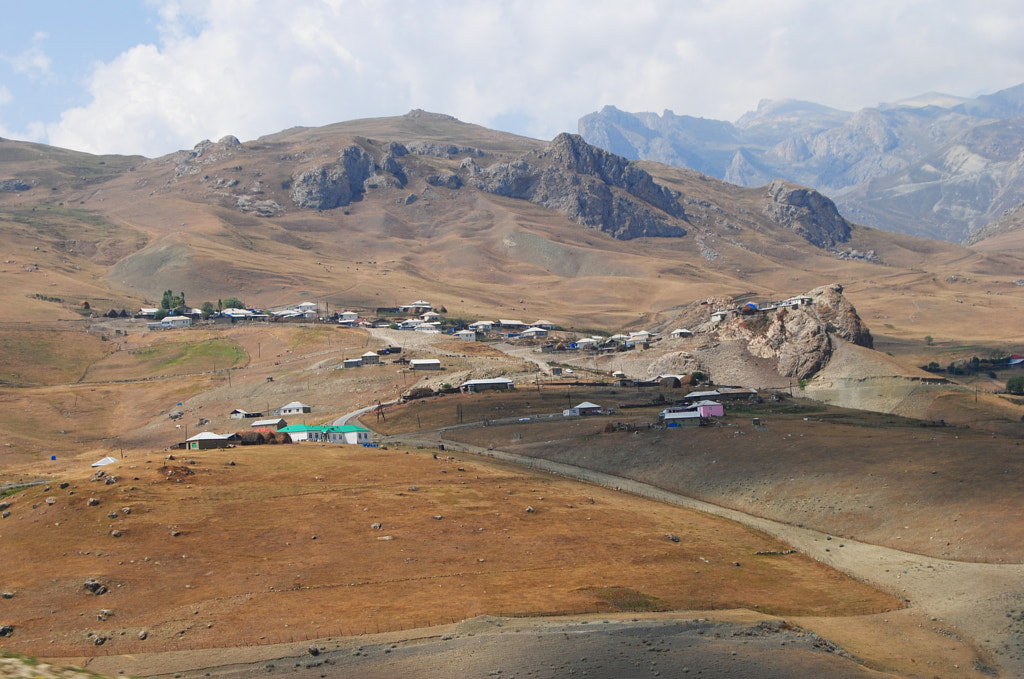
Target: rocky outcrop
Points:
(325, 187)
(427, 148)
(592, 187)
(806, 212)
(13, 185)
(799, 339)
(840, 316)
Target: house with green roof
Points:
(348, 433)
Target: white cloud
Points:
(33, 62)
(5, 96)
(254, 67)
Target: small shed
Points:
(425, 364)
(682, 332)
(687, 417)
(370, 358)
(207, 440)
(709, 409)
(352, 363)
(271, 424)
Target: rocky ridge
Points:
(940, 167)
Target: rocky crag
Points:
(798, 340)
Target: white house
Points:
(348, 317)
(799, 300)
(586, 343)
(347, 433)
(417, 307)
(508, 324)
(679, 333)
(471, 386)
(428, 327)
(535, 332)
(482, 326)
(582, 409)
(425, 364)
(466, 335)
(175, 322)
(547, 325)
(410, 324)
(294, 408)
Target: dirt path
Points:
(983, 602)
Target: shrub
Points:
(1015, 385)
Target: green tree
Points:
(233, 303)
(928, 339)
(206, 310)
(1015, 385)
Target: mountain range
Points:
(934, 165)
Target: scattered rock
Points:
(6, 630)
(115, 533)
(313, 650)
(95, 587)
(7, 595)
(529, 509)
(100, 640)
(93, 502)
(142, 635)
(672, 537)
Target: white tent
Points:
(105, 461)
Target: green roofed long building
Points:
(346, 433)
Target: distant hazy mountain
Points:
(933, 165)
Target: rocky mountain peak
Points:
(593, 187)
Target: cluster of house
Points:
(752, 307)
(279, 429)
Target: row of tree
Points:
(172, 304)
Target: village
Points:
(692, 408)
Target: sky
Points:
(151, 77)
